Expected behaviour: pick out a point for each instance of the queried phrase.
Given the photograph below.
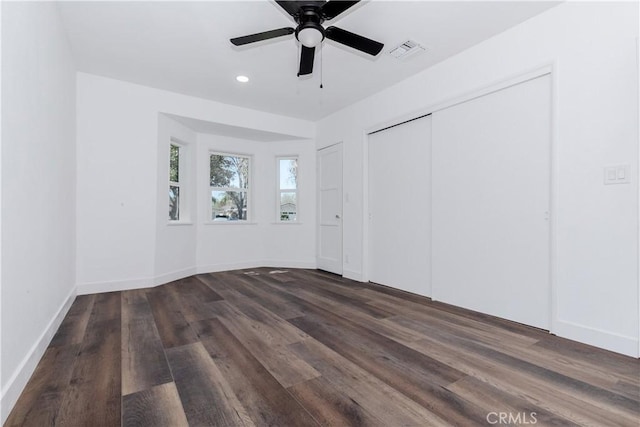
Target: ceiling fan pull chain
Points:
(321, 66)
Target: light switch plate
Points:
(617, 174)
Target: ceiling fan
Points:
(309, 15)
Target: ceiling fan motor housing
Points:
(310, 31)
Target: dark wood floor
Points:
(306, 348)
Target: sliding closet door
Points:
(491, 191)
(399, 206)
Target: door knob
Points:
(337, 216)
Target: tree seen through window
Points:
(229, 182)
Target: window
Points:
(229, 182)
(174, 181)
(287, 189)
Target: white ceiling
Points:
(184, 47)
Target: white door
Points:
(490, 197)
(400, 206)
(330, 209)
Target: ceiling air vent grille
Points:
(406, 49)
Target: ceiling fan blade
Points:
(291, 7)
(306, 60)
(353, 40)
(239, 41)
(333, 8)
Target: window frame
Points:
(181, 184)
(280, 191)
(210, 189)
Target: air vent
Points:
(406, 49)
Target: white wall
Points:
(121, 195)
(592, 48)
(175, 243)
(38, 187)
(262, 241)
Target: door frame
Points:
(545, 69)
(339, 146)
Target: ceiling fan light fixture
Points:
(310, 34)
(242, 79)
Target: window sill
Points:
(230, 223)
(177, 223)
(286, 223)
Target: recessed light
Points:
(242, 79)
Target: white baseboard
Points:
(147, 282)
(214, 268)
(353, 275)
(596, 337)
(113, 286)
(21, 375)
(271, 263)
(175, 275)
(127, 285)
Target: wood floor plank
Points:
(571, 367)
(489, 320)
(106, 306)
(402, 297)
(74, 325)
(413, 374)
(281, 275)
(172, 326)
(626, 368)
(632, 391)
(302, 298)
(262, 318)
(307, 301)
(331, 407)
(206, 396)
(264, 398)
(359, 317)
(134, 296)
(333, 278)
(159, 406)
(309, 278)
(40, 401)
(337, 328)
(375, 351)
(94, 394)
(144, 363)
(270, 327)
(194, 308)
(425, 321)
(284, 294)
(496, 401)
(348, 297)
(397, 293)
(269, 348)
(374, 398)
(587, 392)
(536, 390)
(272, 302)
(193, 286)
